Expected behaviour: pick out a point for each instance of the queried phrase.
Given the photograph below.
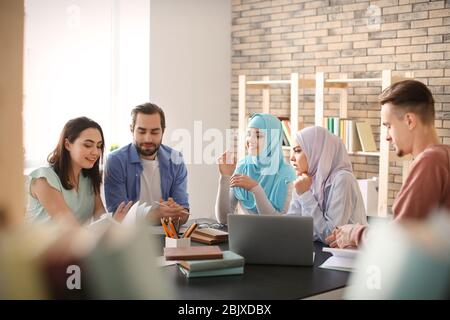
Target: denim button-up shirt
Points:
(123, 176)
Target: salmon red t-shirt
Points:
(427, 186)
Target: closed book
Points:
(212, 233)
(193, 253)
(366, 136)
(212, 273)
(287, 132)
(230, 260)
(354, 143)
(206, 240)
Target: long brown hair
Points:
(60, 161)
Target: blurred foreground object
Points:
(50, 261)
(405, 261)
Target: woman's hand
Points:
(303, 183)
(242, 181)
(122, 210)
(227, 163)
(346, 236)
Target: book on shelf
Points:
(212, 273)
(230, 260)
(366, 136)
(285, 141)
(352, 137)
(346, 130)
(286, 126)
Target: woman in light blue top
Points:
(262, 181)
(69, 188)
(325, 188)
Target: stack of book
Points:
(209, 236)
(230, 264)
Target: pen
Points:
(190, 230)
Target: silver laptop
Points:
(282, 240)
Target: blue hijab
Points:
(268, 168)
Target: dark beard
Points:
(399, 152)
(147, 152)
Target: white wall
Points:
(190, 70)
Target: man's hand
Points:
(242, 181)
(170, 209)
(302, 183)
(346, 236)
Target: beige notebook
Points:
(193, 253)
(366, 137)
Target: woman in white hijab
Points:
(325, 189)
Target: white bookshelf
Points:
(319, 84)
(265, 85)
(384, 153)
(294, 83)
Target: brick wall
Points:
(359, 38)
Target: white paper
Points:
(344, 253)
(162, 262)
(339, 263)
(136, 213)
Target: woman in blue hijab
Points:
(262, 181)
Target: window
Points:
(83, 58)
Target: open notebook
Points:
(341, 259)
(137, 212)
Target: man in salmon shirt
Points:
(407, 110)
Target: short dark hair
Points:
(147, 108)
(410, 96)
(59, 159)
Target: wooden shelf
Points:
(266, 84)
(353, 80)
(364, 153)
(302, 83)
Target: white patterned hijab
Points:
(326, 156)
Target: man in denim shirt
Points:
(147, 170)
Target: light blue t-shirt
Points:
(80, 202)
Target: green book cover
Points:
(229, 260)
(212, 273)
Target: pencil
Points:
(166, 230)
(172, 227)
(189, 231)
